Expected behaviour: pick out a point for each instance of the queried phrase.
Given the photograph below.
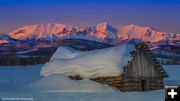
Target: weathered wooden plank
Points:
(130, 85)
(142, 64)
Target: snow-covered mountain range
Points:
(45, 38)
(101, 32)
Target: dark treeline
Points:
(173, 61)
(168, 60)
(12, 60)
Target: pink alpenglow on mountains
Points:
(102, 31)
(40, 31)
(3, 41)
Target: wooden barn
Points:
(143, 72)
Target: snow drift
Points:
(89, 64)
(60, 83)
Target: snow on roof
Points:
(64, 53)
(90, 64)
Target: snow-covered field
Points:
(25, 81)
(174, 75)
(95, 96)
(19, 75)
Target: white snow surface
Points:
(64, 53)
(174, 75)
(60, 83)
(89, 64)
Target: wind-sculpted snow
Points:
(91, 64)
(65, 53)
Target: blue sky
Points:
(163, 15)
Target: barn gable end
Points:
(144, 64)
(143, 72)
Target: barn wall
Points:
(141, 74)
(135, 84)
(130, 84)
(141, 66)
(115, 81)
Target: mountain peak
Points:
(133, 26)
(104, 23)
(104, 27)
